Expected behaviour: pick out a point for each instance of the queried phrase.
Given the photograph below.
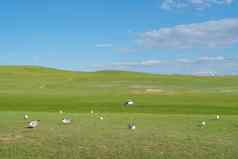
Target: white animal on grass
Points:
(33, 123)
(218, 117)
(131, 126)
(66, 121)
(91, 112)
(203, 123)
(26, 116)
(61, 112)
(128, 102)
(101, 118)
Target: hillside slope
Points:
(31, 88)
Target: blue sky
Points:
(160, 36)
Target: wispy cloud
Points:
(131, 64)
(128, 50)
(156, 62)
(210, 34)
(184, 61)
(207, 58)
(104, 45)
(217, 65)
(195, 4)
(135, 64)
(150, 62)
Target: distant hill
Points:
(33, 88)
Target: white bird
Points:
(131, 126)
(26, 116)
(218, 117)
(91, 112)
(203, 123)
(101, 118)
(66, 121)
(33, 124)
(128, 102)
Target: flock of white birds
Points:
(204, 123)
(131, 125)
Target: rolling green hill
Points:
(34, 88)
(168, 114)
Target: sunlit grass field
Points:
(168, 112)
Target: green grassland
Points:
(168, 112)
(48, 90)
(156, 137)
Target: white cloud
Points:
(195, 4)
(150, 63)
(135, 64)
(156, 62)
(200, 66)
(217, 58)
(127, 49)
(170, 4)
(184, 61)
(210, 34)
(126, 64)
(104, 45)
(204, 73)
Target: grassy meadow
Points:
(168, 112)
